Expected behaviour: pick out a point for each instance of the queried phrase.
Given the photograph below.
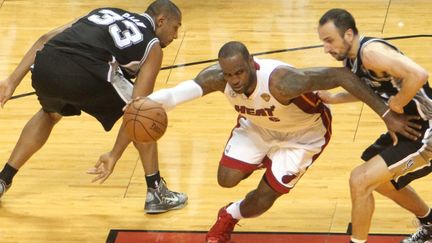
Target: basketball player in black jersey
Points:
(87, 65)
(402, 83)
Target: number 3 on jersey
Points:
(122, 39)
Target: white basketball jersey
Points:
(262, 109)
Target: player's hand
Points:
(131, 101)
(402, 124)
(6, 91)
(103, 168)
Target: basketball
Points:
(145, 120)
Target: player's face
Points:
(336, 45)
(239, 73)
(167, 30)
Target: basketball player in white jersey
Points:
(282, 125)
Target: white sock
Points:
(357, 241)
(234, 210)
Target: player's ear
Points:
(349, 35)
(251, 61)
(160, 20)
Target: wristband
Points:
(385, 113)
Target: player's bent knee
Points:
(227, 182)
(357, 180)
(228, 177)
(54, 117)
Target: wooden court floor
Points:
(53, 199)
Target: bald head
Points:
(163, 7)
(233, 48)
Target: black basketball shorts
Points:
(64, 85)
(404, 157)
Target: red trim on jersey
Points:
(326, 118)
(309, 103)
(237, 164)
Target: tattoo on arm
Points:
(291, 82)
(211, 79)
(327, 78)
(286, 83)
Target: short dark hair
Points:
(341, 18)
(163, 7)
(233, 48)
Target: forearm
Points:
(409, 89)
(351, 83)
(181, 93)
(121, 143)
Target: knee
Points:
(228, 177)
(358, 182)
(227, 181)
(53, 117)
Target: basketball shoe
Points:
(222, 229)
(423, 235)
(161, 199)
(3, 187)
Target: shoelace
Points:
(420, 234)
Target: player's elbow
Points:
(45, 38)
(423, 76)
(419, 78)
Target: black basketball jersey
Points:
(108, 38)
(389, 86)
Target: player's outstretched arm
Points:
(208, 80)
(8, 85)
(288, 82)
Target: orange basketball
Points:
(145, 120)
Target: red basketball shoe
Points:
(222, 229)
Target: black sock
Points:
(427, 219)
(8, 173)
(153, 180)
